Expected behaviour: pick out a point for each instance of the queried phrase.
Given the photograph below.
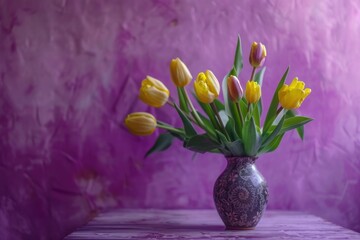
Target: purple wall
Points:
(70, 72)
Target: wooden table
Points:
(206, 224)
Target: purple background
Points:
(70, 72)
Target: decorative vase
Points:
(240, 194)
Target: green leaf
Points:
(294, 122)
(259, 76)
(189, 129)
(207, 109)
(216, 151)
(207, 125)
(256, 114)
(227, 100)
(224, 117)
(205, 120)
(162, 143)
(219, 105)
(230, 128)
(181, 137)
(201, 143)
(232, 72)
(235, 115)
(250, 137)
(300, 130)
(176, 132)
(273, 144)
(271, 114)
(236, 148)
(273, 134)
(259, 106)
(222, 137)
(243, 106)
(238, 60)
(230, 107)
(224, 142)
(290, 122)
(182, 100)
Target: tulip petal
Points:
(234, 88)
(153, 92)
(293, 99)
(212, 82)
(203, 87)
(202, 91)
(264, 51)
(154, 97)
(257, 54)
(156, 83)
(141, 114)
(252, 92)
(307, 92)
(180, 74)
(293, 83)
(140, 123)
(300, 85)
(283, 91)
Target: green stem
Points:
(182, 100)
(213, 106)
(167, 127)
(171, 103)
(252, 74)
(279, 114)
(248, 109)
(211, 132)
(193, 111)
(240, 113)
(189, 116)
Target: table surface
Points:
(206, 224)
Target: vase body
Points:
(240, 194)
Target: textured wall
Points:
(70, 72)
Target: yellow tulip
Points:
(180, 74)
(252, 92)
(207, 87)
(257, 54)
(141, 123)
(291, 97)
(153, 92)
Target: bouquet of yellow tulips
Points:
(231, 128)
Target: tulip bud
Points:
(252, 92)
(291, 97)
(153, 92)
(141, 123)
(234, 88)
(257, 54)
(180, 74)
(207, 87)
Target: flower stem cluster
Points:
(232, 128)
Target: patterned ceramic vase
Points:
(240, 194)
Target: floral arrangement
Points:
(232, 128)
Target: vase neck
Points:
(239, 161)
